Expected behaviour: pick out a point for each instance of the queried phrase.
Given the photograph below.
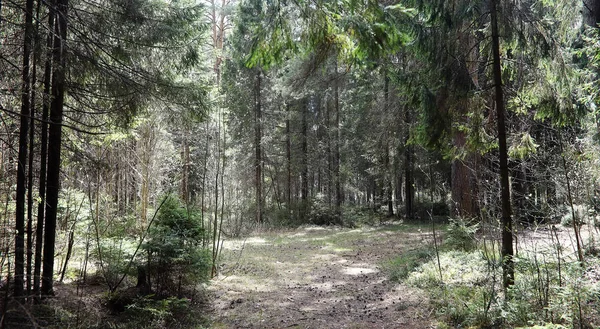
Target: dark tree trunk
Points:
(464, 187)
(304, 172)
(258, 161)
(388, 168)
(70, 242)
(288, 155)
(54, 142)
(591, 12)
(339, 196)
(519, 189)
(185, 168)
(30, 179)
(508, 271)
(409, 195)
(22, 158)
(39, 231)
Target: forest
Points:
(299, 164)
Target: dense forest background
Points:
(137, 135)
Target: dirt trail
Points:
(317, 277)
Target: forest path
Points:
(315, 277)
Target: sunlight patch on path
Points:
(239, 244)
(246, 283)
(358, 270)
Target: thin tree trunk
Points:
(30, 182)
(339, 198)
(409, 195)
(388, 174)
(304, 172)
(215, 242)
(258, 161)
(22, 158)
(203, 193)
(288, 155)
(54, 142)
(185, 158)
(71, 240)
(508, 271)
(39, 231)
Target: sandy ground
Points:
(316, 277)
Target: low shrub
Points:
(174, 248)
(323, 213)
(400, 267)
(460, 234)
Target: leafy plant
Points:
(460, 234)
(400, 267)
(175, 255)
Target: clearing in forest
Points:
(318, 277)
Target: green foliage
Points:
(522, 147)
(357, 30)
(175, 255)
(153, 312)
(112, 255)
(460, 234)
(437, 208)
(470, 294)
(156, 313)
(353, 216)
(401, 266)
(322, 213)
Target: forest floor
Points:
(318, 277)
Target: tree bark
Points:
(22, 157)
(54, 142)
(388, 168)
(258, 161)
(339, 197)
(464, 187)
(304, 172)
(409, 195)
(508, 271)
(39, 231)
(288, 155)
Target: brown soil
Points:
(316, 277)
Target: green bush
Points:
(322, 213)
(400, 267)
(175, 254)
(460, 234)
(437, 208)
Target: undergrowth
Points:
(551, 290)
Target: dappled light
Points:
(300, 164)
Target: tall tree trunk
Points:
(185, 169)
(30, 178)
(339, 197)
(304, 172)
(258, 161)
(54, 143)
(463, 183)
(21, 175)
(508, 271)
(288, 155)
(39, 230)
(388, 168)
(215, 227)
(329, 153)
(409, 195)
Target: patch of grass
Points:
(401, 266)
(470, 292)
